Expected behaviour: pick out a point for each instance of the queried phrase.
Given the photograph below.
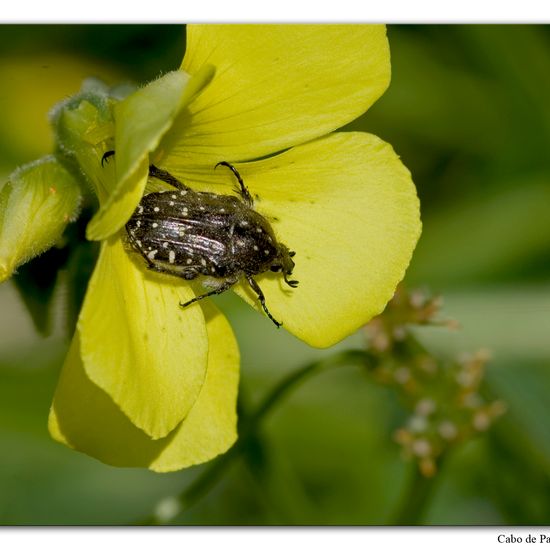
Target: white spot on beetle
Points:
(171, 256)
(189, 261)
(256, 247)
(156, 209)
(140, 210)
(244, 223)
(155, 225)
(171, 203)
(266, 251)
(174, 196)
(183, 192)
(258, 229)
(151, 255)
(165, 244)
(138, 223)
(185, 211)
(222, 210)
(203, 261)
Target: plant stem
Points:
(350, 357)
(249, 427)
(416, 498)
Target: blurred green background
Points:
(468, 112)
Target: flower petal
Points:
(210, 428)
(348, 207)
(275, 86)
(84, 417)
(138, 344)
(141, 120)
(117, 209)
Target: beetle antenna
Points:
(292, 283)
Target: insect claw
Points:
(106, 156)
(291, 282)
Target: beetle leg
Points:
(106, 156)
(166, 177)
(245, 194)
(255, 287)
(154, 172)
(222, 288)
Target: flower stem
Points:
(416, 497)
(350, 357)
(249, 427)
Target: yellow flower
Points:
(148, 384)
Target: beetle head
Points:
(284, 262)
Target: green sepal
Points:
(36, 204)
(84, 129)
(141, 120)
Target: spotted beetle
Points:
(188, 234)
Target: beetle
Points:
(187, 234)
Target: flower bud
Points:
(36, 204)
